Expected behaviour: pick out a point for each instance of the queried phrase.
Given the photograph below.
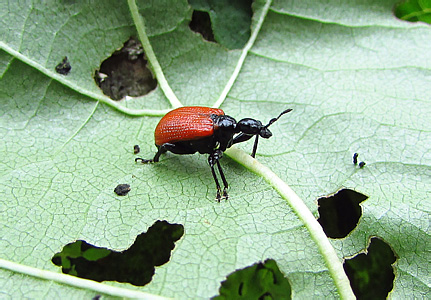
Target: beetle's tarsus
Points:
(218, 196)
(143, 160)
(225, 195)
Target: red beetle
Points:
(191, 129)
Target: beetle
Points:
(191, 129)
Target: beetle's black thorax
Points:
(224, 130)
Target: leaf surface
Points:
(357, 78)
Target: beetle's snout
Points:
(265, 133)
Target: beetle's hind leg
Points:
(161, 149)
(212, 160)
(218, 196)
(223, 178)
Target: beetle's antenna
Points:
(275, 119)
(253, 154)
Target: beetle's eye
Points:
(265, 133)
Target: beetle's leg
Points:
(215, 159)
(253, 154)
(241, 137)
(143, 160)
(161, 149)
(223, 178)
(212, 160)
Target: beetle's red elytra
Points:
(186, 124)
(191, 129)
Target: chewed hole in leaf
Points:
(126, 73)
(339, 213)
(258, 281)
(371, 273)
(223, 21)
(414, 11)
(134, 265)
(201, 23)
(63, 67)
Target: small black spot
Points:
(241, 285)
(97, 297)
(126, 73)
(201, 23)
(355, 158)
(135, 265)
(63, 67)
(136, 149)
(371, 274)
(122, 189)
(339, 214)
(362, 164)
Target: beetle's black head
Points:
(265, 133)
(247, 128)
(250, 126)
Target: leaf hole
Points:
(339, 214)
(63, 67)
(223, 21)
(201, 23)
(262, 280)
(413, 11)
(371, 273)
(126, 73)
(134, 265)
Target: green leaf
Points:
(259, 281)
(414, 11)
(357, 78)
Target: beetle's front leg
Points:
(161, 149)
(241, 137)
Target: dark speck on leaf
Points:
(63, 67)
(122, 189)
(136, 149)
(355, 158)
